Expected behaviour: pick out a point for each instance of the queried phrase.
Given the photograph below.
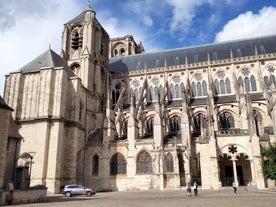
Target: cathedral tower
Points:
(85, 48)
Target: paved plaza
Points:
(165, 198)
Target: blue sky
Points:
(28, 27)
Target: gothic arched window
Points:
(175, 123)
(177, 91)
(117, 164)
(253, 83)
(222, 83)
(228, 86)
(246, 84)
(150, 125)
(169, 163)
(199, 121)
(248, 80)
(172, 91)
(194, 89)
(226, 121)
(199, 86)
(95, 166)
(204, 87)
(199, 89)
(116, 93)
(144, 163)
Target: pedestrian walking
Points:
(234, 187)
(219, 186)
(195, 189)
(189, 189)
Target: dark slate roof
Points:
(13, 130)
(81, 17)
(48, 59)
(3, 104)
(216, 51)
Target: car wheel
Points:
(68, 194)
(88, 194)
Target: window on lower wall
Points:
(144, 163)
(117, 164)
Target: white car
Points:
(70, 190)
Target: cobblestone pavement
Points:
(165, 198)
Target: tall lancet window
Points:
(248, 80)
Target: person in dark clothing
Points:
(234, 187)
(189, 190)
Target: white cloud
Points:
(27, 27)
(248, 25)
(184, 12)
(148, 21)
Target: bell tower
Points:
(85, 48)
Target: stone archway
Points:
(234, 166)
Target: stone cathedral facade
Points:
(106, 114)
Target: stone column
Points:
(235, 171)
(253, 177)
(161, 161)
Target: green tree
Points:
(269, 162)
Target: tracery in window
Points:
(247, 80)
(269, 77)
(144, 163)
(222, 83)
(118, 164)
(199, 86)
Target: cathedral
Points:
(108, 115)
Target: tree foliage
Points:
(269, 162)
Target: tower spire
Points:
(88, 4)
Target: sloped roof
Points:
(81, 16)
(3, 104)
(216, 51)
(13, 130)
(48, 59)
